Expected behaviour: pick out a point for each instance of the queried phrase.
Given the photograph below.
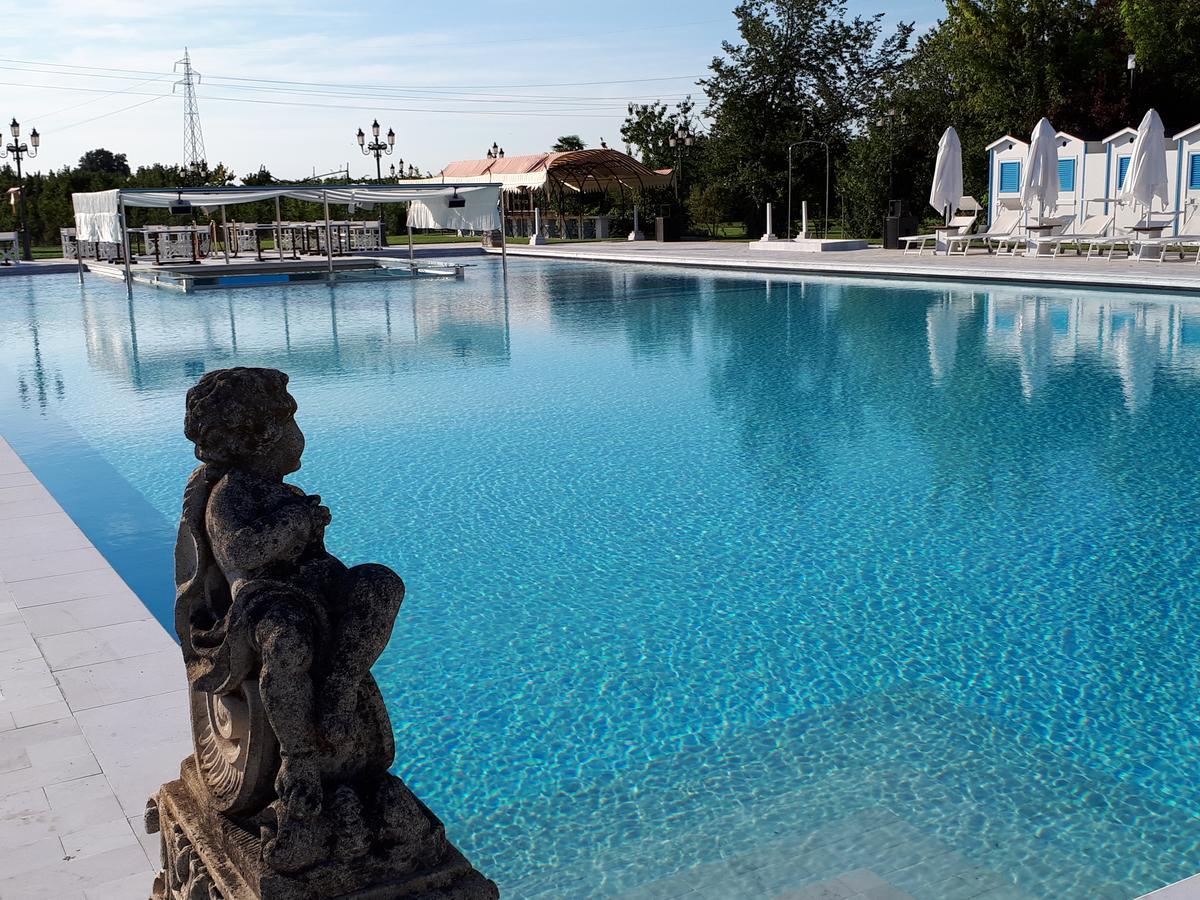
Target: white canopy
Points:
(478, 214)
(1147, 175)
(1040, 178)
(947, 175)
(97, 215)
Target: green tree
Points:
(104, 162)
(568, 142)
(1165, 38)
(708, 205)
(802, 70)
(648, 128)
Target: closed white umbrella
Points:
(1040, 179)
(947, 175)
(1147, 174)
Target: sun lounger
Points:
(1128, 240)
(1001, 230)
(1094, 228)
(961, 224)
(1188, 239)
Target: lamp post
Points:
(789, 207)
(889, 117)
(378, 148)
(680, 139)
(495, 151)
(17, 151)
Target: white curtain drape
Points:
(98, 216)
(479, 214)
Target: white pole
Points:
(769, 235)
(804, 218)
(503, 239)
(78, 254)
(224, 235)
(125, 251)
(328, 236)
(408, 224)
(278, 230)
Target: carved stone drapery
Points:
(288, 794)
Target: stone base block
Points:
(811, 245)
(205, 854)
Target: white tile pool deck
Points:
(1120, 273)
(92, 691)
(92, 708)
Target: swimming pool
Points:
(718, 580)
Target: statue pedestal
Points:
(207, 854)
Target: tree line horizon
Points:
(808, 71)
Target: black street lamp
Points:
(379, 148)
(17, 151)
(495, 152)
(889, 118)
(680, 139)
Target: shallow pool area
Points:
(727, 582)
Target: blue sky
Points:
(449, 78)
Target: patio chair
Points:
(1002, 229)
(9, 248)
(962, 223)
(1128, 239)
(1093, 228)
(1187, 239)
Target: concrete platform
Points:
(979, 266)
(810, 245)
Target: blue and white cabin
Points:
(1006, 162)
(1092, 173)
(1118, 152)
(1186, 174)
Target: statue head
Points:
(244, 418)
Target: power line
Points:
(430, 87)
(548, 113)
(113, 113)
(58, 112)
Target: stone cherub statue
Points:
(288, 793)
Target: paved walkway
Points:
(92, 708)
(1069, 270)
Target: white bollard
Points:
(636, 234)
(770, 232)
(537, 238)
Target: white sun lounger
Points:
(1128, 239)
(961, 223)
(1001, 230)
(1093, 228)
(1188, 239)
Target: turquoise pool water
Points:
(744, 580)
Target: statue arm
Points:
(254, 531)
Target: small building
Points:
(1187, 174)
(1092, 173)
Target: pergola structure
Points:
(557, 174)
(101, 216)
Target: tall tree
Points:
(104, 162)
(568, 142)
(648, 128)
(802, 70)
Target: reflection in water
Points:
(709, 561)
(942, 320)
(44, 380)
(351, 332)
